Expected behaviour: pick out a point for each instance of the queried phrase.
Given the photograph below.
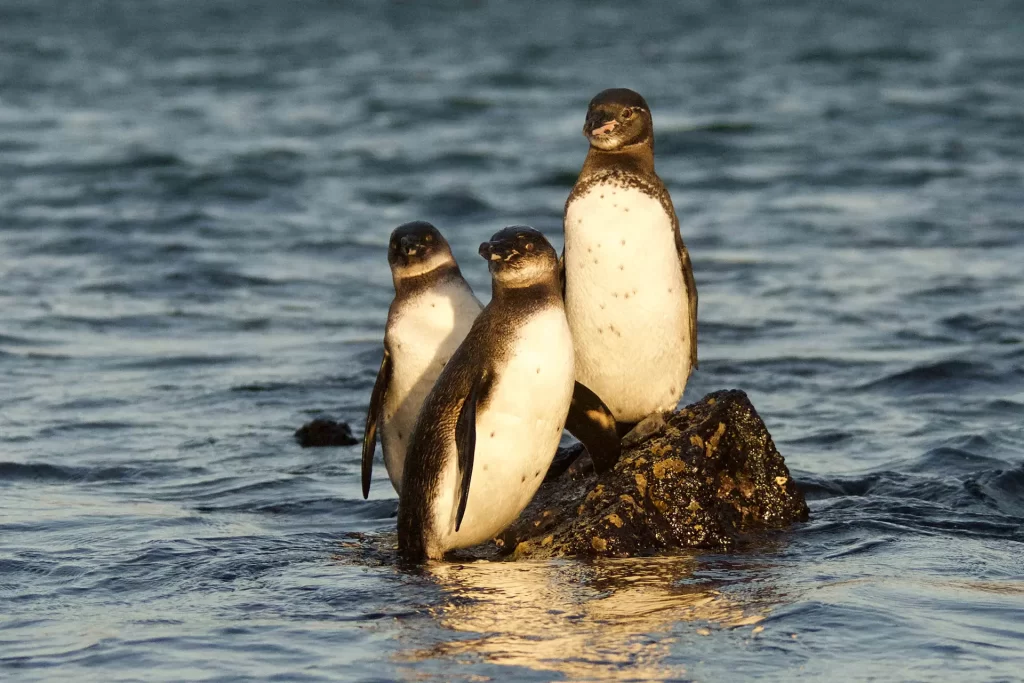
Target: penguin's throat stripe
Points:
(498, 257)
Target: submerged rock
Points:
(706, 474)
(323, 432)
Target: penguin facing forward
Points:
(489, 428)
(431, 314)
(630, 294)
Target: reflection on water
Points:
(610, 620)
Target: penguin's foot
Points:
(644, 429)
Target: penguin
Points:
(431, 314)
(630, 294)
(489, 428)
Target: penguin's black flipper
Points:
(465, 441)
(380, 390)
(593, 424)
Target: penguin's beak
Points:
(598, 123)
(488, 253)
(412, 246)
(497, 251)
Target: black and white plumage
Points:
(489, 428)
(431, 314)
(630, 294)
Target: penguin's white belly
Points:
(517, 433)
(626, 301)
(421, 338)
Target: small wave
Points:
(1002, 489)
(383, 197)
(91, 403)
(196, 444)
(696, 143)
(468, 104)
(456, 204)
(125, 322)
(14, 146)
(887, 484)
(270, 155)
(1004, 407)
(952, 460)
(341, 508)
(860, 547)
(236, 182)
(116, 286)
(824, 437)
(872, 175)
(832, 55)
(947, 490)
(794, 366)
(517, 78)
(468, 160)
(90, 426)
(885, 515)
(1003, 327)
(12, 340)
(185, 361)
(212, 277)
(731, 331)
(45, 472)
(258, 388)
(729, 127)
(940, 376)
(348, 248)
(129, 161)
(252, 324)
(225, 488)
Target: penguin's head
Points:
(617, 118)
(520, 256)
(417, 248)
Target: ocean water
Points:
(195, 200)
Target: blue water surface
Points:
(195, 200)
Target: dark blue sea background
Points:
(195, 201)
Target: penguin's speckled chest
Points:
(626, 299)
(517, 432)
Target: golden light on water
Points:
(604, 621)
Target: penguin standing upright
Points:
(489, 428)
(429, 317)
(630, 295)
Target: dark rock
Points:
(323, 432)
(705, 477)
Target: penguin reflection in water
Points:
(489, 428)
(630, 295)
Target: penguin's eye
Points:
(529, 246)
(627, 114)
(428, 238)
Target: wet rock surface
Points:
(704, 477)
(323, 432)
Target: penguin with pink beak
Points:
(630, 294)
